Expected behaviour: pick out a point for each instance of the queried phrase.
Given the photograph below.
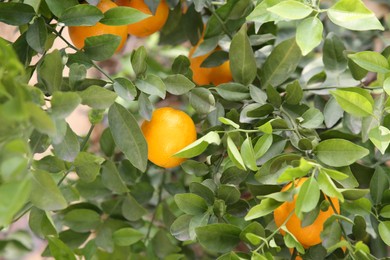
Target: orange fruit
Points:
(309, 235)
(168, 131)
(149, 25)
(78, 34)
(202, 75)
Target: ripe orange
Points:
(310, 235)
(166, 133)
(149, 25)
(203, 76)
(78, 34)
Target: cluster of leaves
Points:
(300, 105)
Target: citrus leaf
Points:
(353, 15)
(339, 152)
(128, 136)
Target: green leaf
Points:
(112, 179)
(59, 250)
(180, 227)
(331, 234)
(17, 193)
(97, 97)
(202, 100)
(339, 152)
(233, 91)
(242, 60)
(354, 101)
(64, 103)
(258, 95)
(384, 231)
(41, 120)
(248, 154)
(68, 148)
(191, 204)
(333, 56)
(145, 106)
(125, 89)
(50, 71)
(294, 93)
(371, 61)
(152, 85)
(16, 13)
(126, 236)
(131, 209)
(195, 168)
(265, 207)
(199, 146)
(123, 15)
(334, 174)
(218, 237)
(378, 185)
(234, 154)
(37, 34)
(41, 223)
(308, 196)
(280, 64)
(291, 10)
(262, 145)
(354, 194)
(82, 220)
(178, 84)
(261, 14)
(181, 65)
(328, 187)
(386, 85)
(139, 60)
(203, 191)
(385, 211)
(309, 34)
(77, 75)
(291, 241)
(380, 137)
(227, 121)
(101, 47)
(45, 193)
(82, 14)
(332, 112)
(353, 15)
(87, 166)
(128, 136)
(228, 193)
(58, 6)
(312, 118)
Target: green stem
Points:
(224, 28)
(70, 45)
(274, 233)
(292, 121)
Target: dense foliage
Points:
(309, 98)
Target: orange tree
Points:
(308, 104)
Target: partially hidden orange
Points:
(78, 34)
(213, 75)
(309, 235)
(149, 25)
(168, 131)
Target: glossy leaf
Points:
(123, 15)
(178, 84)
(242, 61)
(309, 34)
(371, 61)
(291, 10)
(128, 136)
(199, 146)
(355, 101)
(16, 13)
(97, 97)
(280, 64)
(81, 15)
(353, 15)
(234, 154)
(218, 237)
(101, 47)
(191, 204)
(339, 152)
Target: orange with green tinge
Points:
(168, 131)
(78, 34)
(309, 235)
(149, 25)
